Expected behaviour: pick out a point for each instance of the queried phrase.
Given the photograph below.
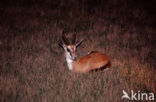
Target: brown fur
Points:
(92, 61)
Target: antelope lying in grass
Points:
(94, 60)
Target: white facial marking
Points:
(69, 59)
(68, 53)
(69, 47)
(74, 49)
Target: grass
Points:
(33, 67)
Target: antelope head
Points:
(69, 48)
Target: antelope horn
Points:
(74, 38)
(64, 38)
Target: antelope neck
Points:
(69, 63)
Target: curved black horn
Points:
(74, 38)
(64, 38)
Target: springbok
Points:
(94, 60)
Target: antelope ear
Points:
(61, 44)
(79, 43)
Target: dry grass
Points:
(33, 67)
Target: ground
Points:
(33, 66)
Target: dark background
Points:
(33, 67)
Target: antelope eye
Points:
(68, 50)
